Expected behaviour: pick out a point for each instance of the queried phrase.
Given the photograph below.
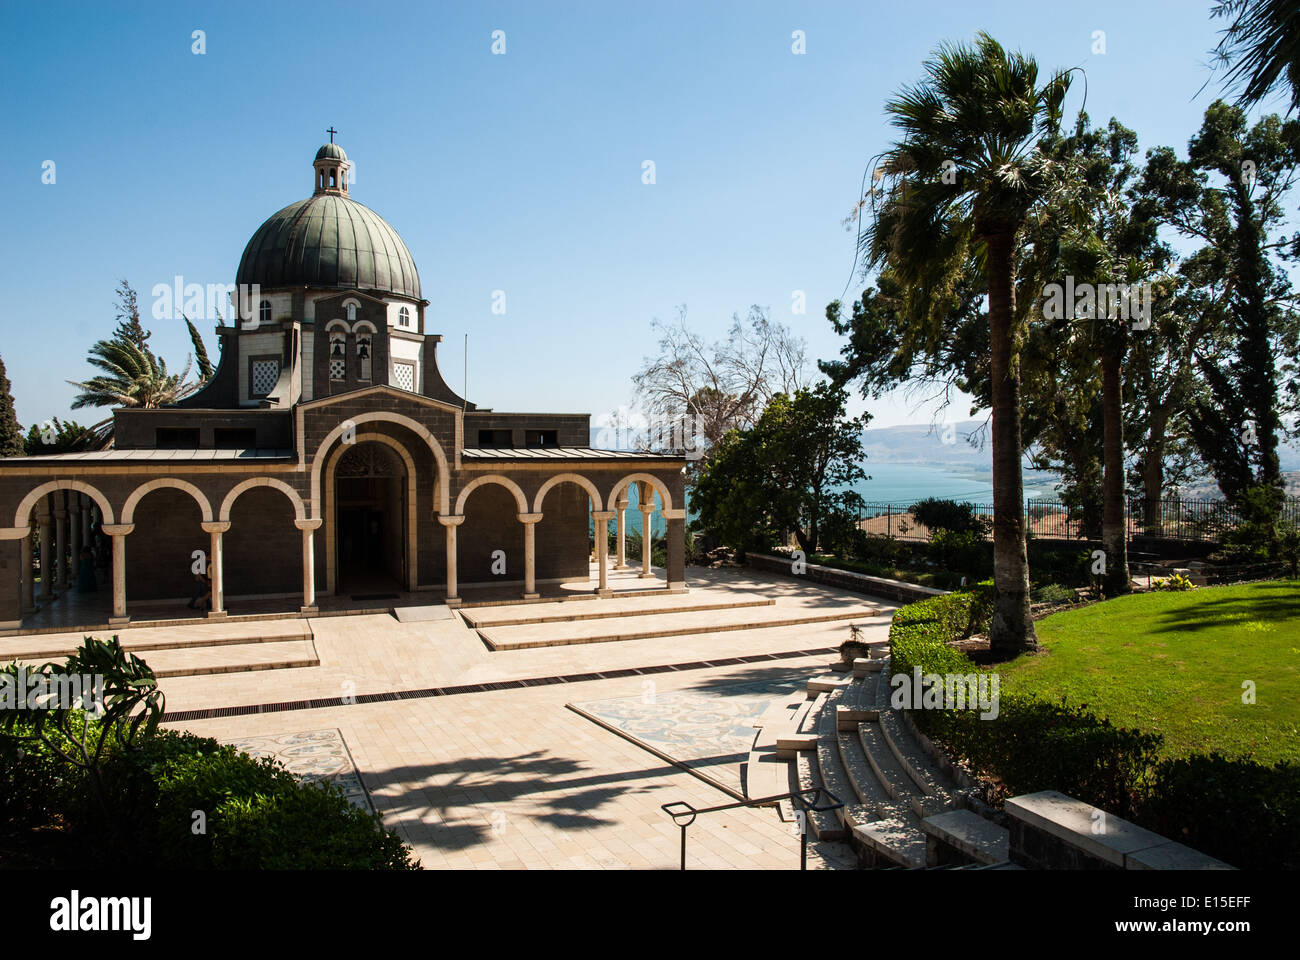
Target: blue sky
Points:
(520, 172)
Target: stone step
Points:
(863, 666)
(857, 703)
(975, 839)
(788, 744)
(897, 839)
(139, 640)
(766, 772)
(823, 824)
(919, 766)
(826, 684)
(890, 774)
(812, 708)
(569, 611)
(611, 629)
(230, 658)
(835, 777)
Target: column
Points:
(529, 520)
(621, 516)
(647, 508)
(119, 532)
(74, 536)
(450, 523)
(86, 517)
(217, 567)
(676, 549)
(602, 518)
(60, 542)
(28, 604)
(308, 528)
(47, 550)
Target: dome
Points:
(331, 151)
(329, 240)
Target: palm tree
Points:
(958, 188)
(1260, 48)
(132, 377)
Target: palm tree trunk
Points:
(1012, 630)
(1114, 543)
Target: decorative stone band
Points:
(602, 515)
(215, 526)
(312, 524)
(529, 517)
(117, 529)
(452, 520)
(679, 514)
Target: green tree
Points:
(1261, 48)
(792, 472)
(11, 433)
(56, 436)
(959, 186)
(1229, 195)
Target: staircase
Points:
(846, 739)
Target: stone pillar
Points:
(529, 520)
(47, 550)
(308, 528)
(676, 549)
(60, 581)
(450, 523)
(647, 541)
(602, 518)
(10, 594)
(74, 536)
(28, 603)
(621, 506)
(217, 566)
(119, 533)
(86, 517)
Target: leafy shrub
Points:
(1242, 812)
(33, 787)
(938, 514)
(312, 827)
(1177, 583)
(1239, 811)
(957, 551)
(1053, 594)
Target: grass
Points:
(1175, 664)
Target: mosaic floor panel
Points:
(312, 755)
(709, 731)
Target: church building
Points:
(328, 456)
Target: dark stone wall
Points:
(572, 429)
(562, 544)
(159, 552)
(137, 429)
(263, 548)
(491, 523)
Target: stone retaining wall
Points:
(896, 590)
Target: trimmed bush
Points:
(937, 514)
(1237, 810)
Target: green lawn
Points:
(1174, 664)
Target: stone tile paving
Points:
(313, 756)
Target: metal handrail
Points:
(684, 814)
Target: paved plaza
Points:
(514, 777)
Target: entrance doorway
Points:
(370, 520)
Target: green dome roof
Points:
(329, 240)
(331, 151)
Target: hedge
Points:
(1236, 810)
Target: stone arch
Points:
(128, 509)
(365, 325)
(387, 416)
(666, 498)
(520, 500)
(412, 518)
(299, 512)
(569, 478)
(23, 514)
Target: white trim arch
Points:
(128, 509)
(412, 516)
(299, 512)
(386, 416)
(520, 500)
(23, 514)
(665, 498)
(341, 324)
(567, 478)
(364, 325)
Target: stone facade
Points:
(255, 470)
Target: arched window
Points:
(264, 312)
(404, 317)
(338, 356)
(352, 313)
